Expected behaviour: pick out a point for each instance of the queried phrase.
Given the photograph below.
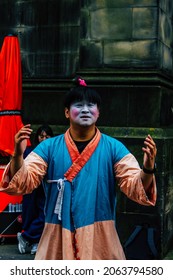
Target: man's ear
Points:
(66, 111)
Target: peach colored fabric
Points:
(24, 181)
(133, 187)
(93, 242)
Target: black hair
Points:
(80, 93)
(46, 128)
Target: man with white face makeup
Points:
(80, 169)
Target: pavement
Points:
(9, 251)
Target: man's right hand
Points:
(21, 138)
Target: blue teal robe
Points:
(80, 191)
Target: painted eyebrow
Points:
(81, 102)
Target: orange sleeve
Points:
(128, 175)
(27, 178)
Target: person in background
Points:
(80, 169)
(33, 217)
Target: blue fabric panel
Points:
(91, 196)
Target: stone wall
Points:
(122, 48)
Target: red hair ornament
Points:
(82, 82)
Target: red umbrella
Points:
(10, 94)
(6, 199)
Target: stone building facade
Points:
(124, 49)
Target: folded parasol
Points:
(10, 94)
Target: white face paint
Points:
(83, 113)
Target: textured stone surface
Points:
(124, 49)
(56, 37)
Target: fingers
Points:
(23, 133)
(150, 147)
